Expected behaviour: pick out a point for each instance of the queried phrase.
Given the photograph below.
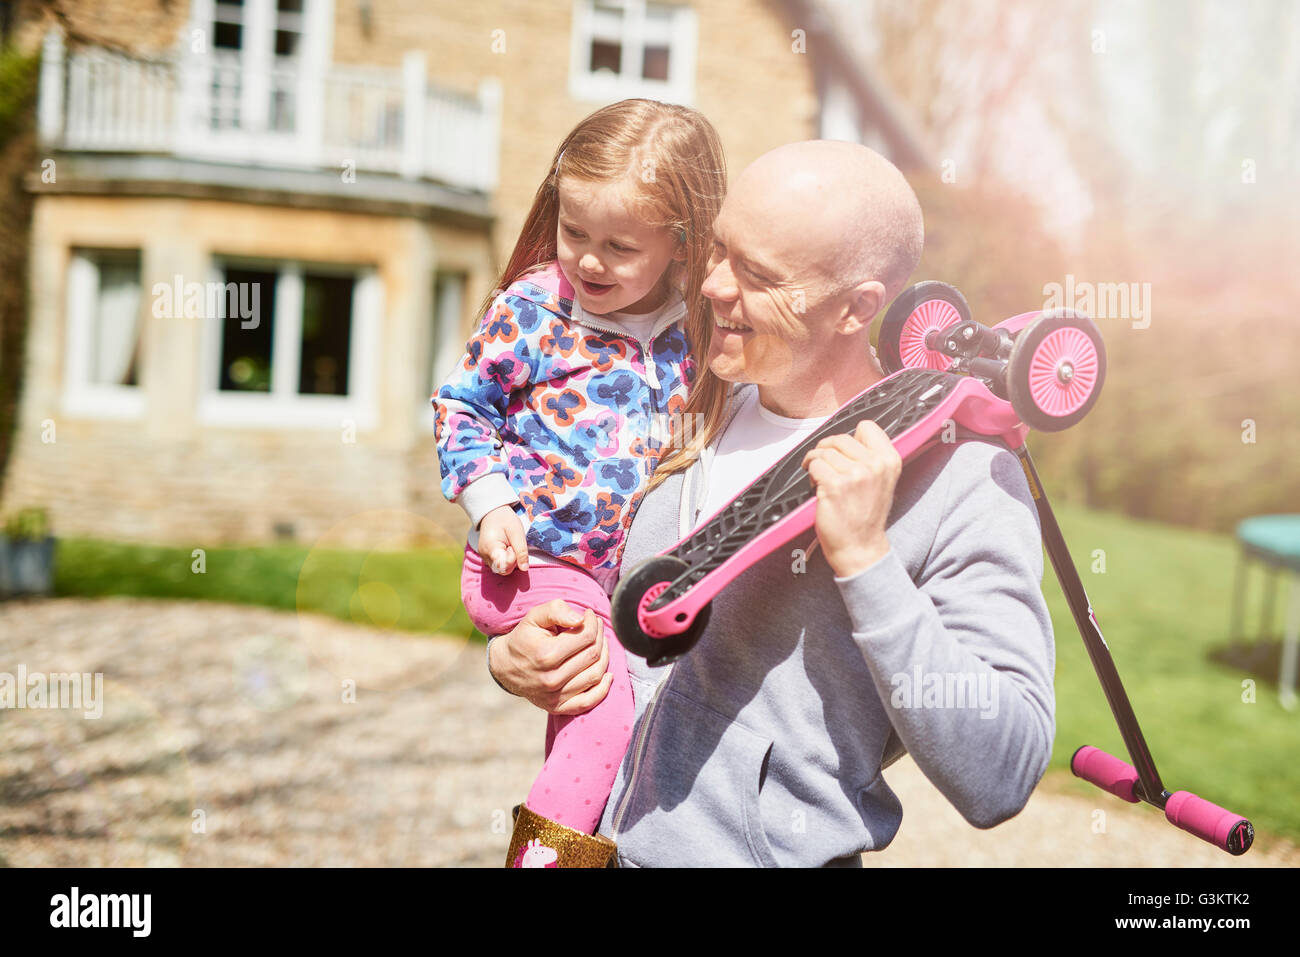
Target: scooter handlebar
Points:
(1107, 772)
(1221, 827)
(1224, 829)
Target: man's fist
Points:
(501, 541)
(854, 476)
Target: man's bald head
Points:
(847, 209)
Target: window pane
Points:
(282, 102)
(655, 64)
(606, 24)
(115, 343)
(448, 325)
(286, 42)
(606, 56)
(227, 35)
(657, 27)
(229, 11)
(326, 334)
(246, 352)
(226, 91)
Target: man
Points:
(913, 619)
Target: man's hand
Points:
(556, 657)
(854, 476)
(501, 541)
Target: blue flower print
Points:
(614, 390)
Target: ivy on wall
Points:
(18, 84)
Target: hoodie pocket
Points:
(695, 800)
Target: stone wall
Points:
(144, 27)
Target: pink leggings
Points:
(583, 752)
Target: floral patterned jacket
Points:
(563, 416)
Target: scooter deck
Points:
(896, 404)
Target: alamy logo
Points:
(1101, 300)
(38, 690)
(102, 910)
(668, 430)
(933, 689)
(208, 300)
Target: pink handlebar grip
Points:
(1107, 772)
(1222, 828)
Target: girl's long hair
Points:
(676, 158)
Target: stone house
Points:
(354, 172)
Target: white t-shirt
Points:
(754, 441)
(638, 325)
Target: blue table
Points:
(1273, 540)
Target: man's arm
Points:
(963, 658)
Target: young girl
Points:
(555, 420)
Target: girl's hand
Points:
(501, 541)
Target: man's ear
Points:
(864, 302)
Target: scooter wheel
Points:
(918, 310)
(1056, 370)
(637, 589)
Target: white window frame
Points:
(81, 397)
(604, 88)
(253, 141)
(446, 338)
(283, 407)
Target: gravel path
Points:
(240, 736)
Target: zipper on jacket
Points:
(647, 357)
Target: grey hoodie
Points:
(764, 745)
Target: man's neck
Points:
(793, 402)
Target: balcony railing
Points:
(210, 107)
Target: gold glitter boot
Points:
(539, 842)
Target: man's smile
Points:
(731, 326)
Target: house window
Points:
(291, 344)
(284, 71)
(255, 64)
(448, 339)
(626, 48)
(448, 335)
(247, 330)
(326, 332)
(227, 87)
(228, 25)
(104, 333)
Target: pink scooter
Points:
(1040, 370)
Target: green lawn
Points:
(415, 591)
(1162, 602)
